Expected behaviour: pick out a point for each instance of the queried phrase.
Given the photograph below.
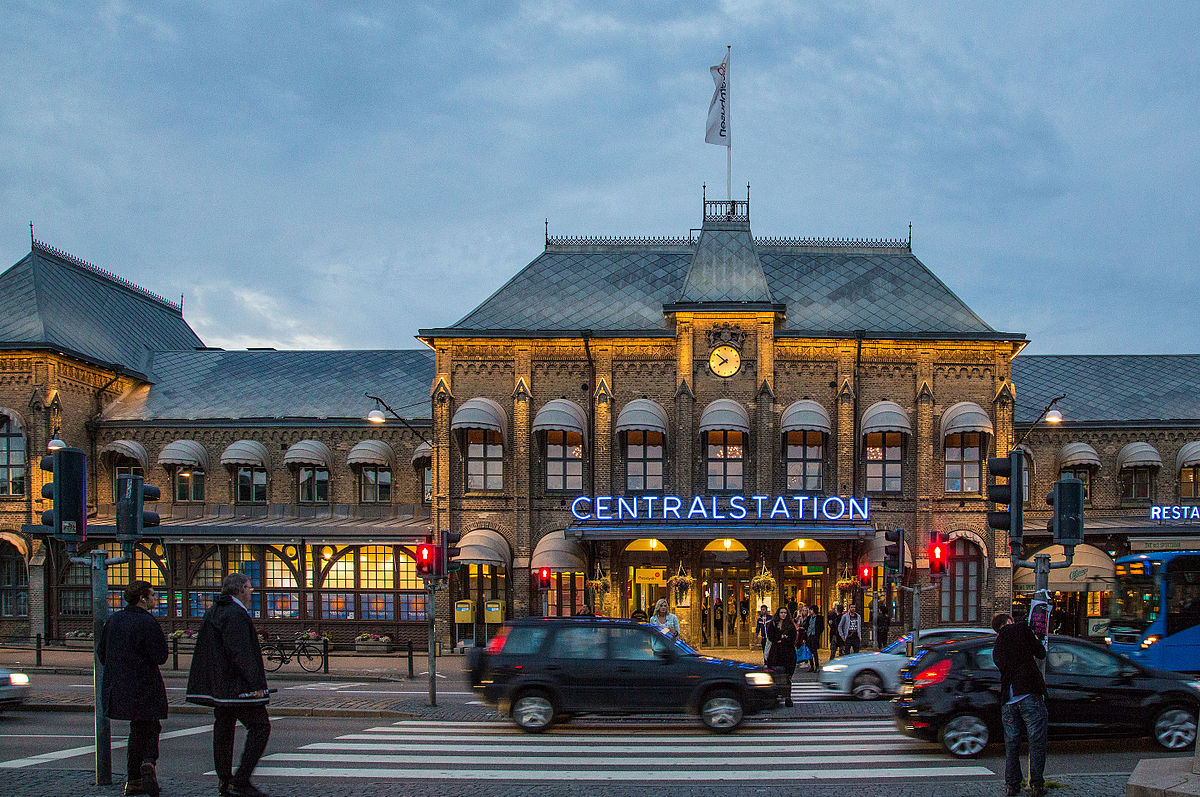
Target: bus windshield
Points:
(1135, 602)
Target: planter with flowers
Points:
(372, 643)
(600, 588)
(78, 640)
(185, 639)
(309, 635)
(680, 583)
(846, 584)
(762, 584)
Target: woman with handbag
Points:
(782, 656)
(760, 632)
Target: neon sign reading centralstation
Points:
(710, 508)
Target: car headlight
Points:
(759, 679)
(18, 679)
(1148, 641)
(834, 667)
(1195, 685)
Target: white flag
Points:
(718, 109)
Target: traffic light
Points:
(450, 552)
(543, 576)
(864, 577)
(939, 554)
(1067, 523)
(893, 554)
(67, 489)
(427, 559)
(1012, 494)
(132, 517)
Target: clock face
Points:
(725, 361)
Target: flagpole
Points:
(729, 124)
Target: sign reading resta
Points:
(717, 508)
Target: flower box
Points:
(79, 644)
(373, 647)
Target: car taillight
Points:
(934, 675)
(497, 642)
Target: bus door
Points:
(1181, 600)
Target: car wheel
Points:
(867, 686)
(965, 736)
(721, 711)
(533, 711)
(1174, 728)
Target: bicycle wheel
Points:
(309, 656)
(273, 657)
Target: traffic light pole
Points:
(916, 612)
(431, 584)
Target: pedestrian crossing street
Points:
(608, 751)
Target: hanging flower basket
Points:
(600, 587)
(681, 582)
(846, 584)
(762, 584)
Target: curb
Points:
(274, 711)
(289, 675)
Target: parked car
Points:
(951, 693)
(871, 675)
(542, 670)
(14, 688)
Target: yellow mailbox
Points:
(464, 612)
(493, 611)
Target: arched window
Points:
(12, 457)
(14, 582)
(963, 583)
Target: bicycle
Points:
(305, 651)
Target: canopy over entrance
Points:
(1091, 570)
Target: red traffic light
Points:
(544, 578)
(864, 576)
(426, 556)
(938, 555)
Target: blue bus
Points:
(1155, 617)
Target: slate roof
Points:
(52, 300)
(725, 267)
(1109, 388)
(246, 385)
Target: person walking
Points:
(718, 620)
(227, 673)
(850, 630)
(132, 647)
(883, 622)
(663, 618)
(760, 631)
(782, 656)
(803, 652)
(832, 620)
(816, 625)
(1023, 701)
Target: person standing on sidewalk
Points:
(850, 630)
(1023, 706)
(782, 656)
(663, 618)
(764, 620)
(227, 673)
(833, 619)
(132, 647)
(883, 621)
(816, 624)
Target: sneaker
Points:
(150, 780)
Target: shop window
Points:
(962, 583)
(643, 461)
(407, 573)
(189, 485)
(14, 582)
(376, 568)
(885, 462)
(205, 584)
(251, 485)
(804, 458)
(279, 587)
(566, 595)
(1084, 475)
(379, 606)
(1189, 482)
(725, 458)
(485, 460)
(12, 459)
(337, 605)
(340, 573)
(412, 607)
(964, 463)
(1135, 483)
(564, 461)
(376, 485)
(314, 485)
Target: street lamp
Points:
(55, 442)
(1049, 415)
(376, 416)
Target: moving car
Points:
(14, 688)
(870, 675)
(542, 670)
(951, 693)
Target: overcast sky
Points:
(338, 175)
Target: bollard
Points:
(410, 660)
(325, 655)
(174, 653)
(38, 655)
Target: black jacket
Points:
(132, 646)
(227, 662)
(1015, 655)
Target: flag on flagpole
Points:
(718, 110)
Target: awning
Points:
(309, 452)
(423, 451)
(371, 452)
(1078, 454)
(806, 415)
(484, 547)
(644, 415)
(561, 415)
(481, 413)
(129, 448)
(965, 416)
(885, 416)
(1091, 571)
(1189, 455)
(874, 555)
(1138, 455)
(247, 452)
(184, 453)
(13, 418)
(557, 552)
(724, 414)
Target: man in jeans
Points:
(1023, 699)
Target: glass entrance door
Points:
(801, 586)
(727, 613)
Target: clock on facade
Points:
(725, 361)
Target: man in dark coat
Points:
(1022, 701)
(883, 621)
(227, 673)
(132, 646)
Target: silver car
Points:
(870, 676)
(14, 688)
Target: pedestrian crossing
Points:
(620, 751)
(811, 692)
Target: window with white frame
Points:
(964, 462)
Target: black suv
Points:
(951, 693)
(543, 669)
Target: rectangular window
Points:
(885, 462)
(725, 456)
(12, 460)
(964, 462)
(252, 485)
(485, 460)
(14, 583)
(643, 461)
(1189, 482)
(189, 485)
(314, 485)
(1084, 475)
(376, 485)
(427, 484)
(1135, 484)
(412, 607)
(564, 461)
(378, 606)
(804, 458)
(961, 585)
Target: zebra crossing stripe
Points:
(651, 772)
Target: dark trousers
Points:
(258, 730)
(143, 746)
(1028, 718)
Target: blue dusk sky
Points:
(338, 175)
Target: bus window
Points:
(1183, 600)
